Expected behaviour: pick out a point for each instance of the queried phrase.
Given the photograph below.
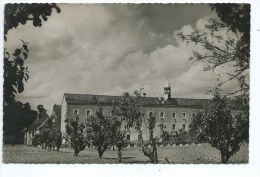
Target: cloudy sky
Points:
(110, 49)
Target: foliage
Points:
(225, 43)
(236, 17)
(17, 116)
(75, 130)
(15, 73)
(130, 107)
(14, 70)
(49, 136)
(21, 13)
(102, 130)
(130, 110)
(218, 127)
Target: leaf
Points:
(26, 77)
(20, 61)
(20, 86)
(17, 52)
(25, 48)
(44, 18)
(25, 55)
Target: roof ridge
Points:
(141, 97)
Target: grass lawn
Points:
(203, 154)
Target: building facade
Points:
(172, 114)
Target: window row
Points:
(162, 127)
(161, 114)
(174, 114)
(76, 112)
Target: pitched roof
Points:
(146, 101)
(57, 109)
(39, 122)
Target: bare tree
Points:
(225, 43)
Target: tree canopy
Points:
(16, 14)
(221, 128)
(225, 43)
(15, 71)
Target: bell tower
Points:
(167, 90)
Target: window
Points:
(88, 112)
(193, 114)
(32, 134)
(75, 112)
(128, 137)
(174, 114)
(173, 126)
(161, 114)
(184, 114)
(183, 127)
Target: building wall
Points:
(68, 109)
(168, 120)
(63, 117)
(28, 137)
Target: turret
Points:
(167, 90)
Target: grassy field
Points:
(203, 154)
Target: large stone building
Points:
(172, 114)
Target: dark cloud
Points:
(109, 49)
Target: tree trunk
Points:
(119, 145)
(75, 152)
(100, 153)
(224, 157)
(155, 152)
(119, 155)
(151, 154)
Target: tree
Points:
(119, 127)
(130, 107)
(28, 115)
(236, 17)
(225, 43)
(217, 126)
(16, 14)
(16, 118)
(100, 131)
(75, 130)
(15, 71)
(150, 152)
